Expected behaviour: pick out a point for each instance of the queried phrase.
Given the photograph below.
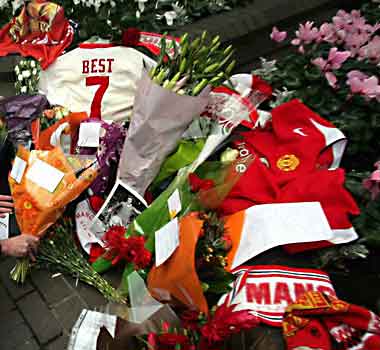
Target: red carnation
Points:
(96, 251)
(171, 340)
(226, 322)
(114, 239)
(261, 86)
(131, 37)
(197, 184)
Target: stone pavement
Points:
(39, 315)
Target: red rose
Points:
(131, 37)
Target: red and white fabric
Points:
(296, 159)
(40, 31)
(267, 290)
(99, 79)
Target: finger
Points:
(2, 216)
(6, 204)
(6, 198)
(5, 210)
(31, 256)
(34, 247)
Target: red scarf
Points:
(318, 321)
(40, 31)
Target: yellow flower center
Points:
(28, 205)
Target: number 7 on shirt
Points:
(96, 104)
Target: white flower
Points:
(26, 73)
(141, 4)
(170, 16)
(16, 4)
(17, 70)
(24, 90)
(32, 64)
(3, 4)
(138, 14)
(34, 71)
(20, 77)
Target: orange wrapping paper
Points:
(178, 276)
(41, 139)
(36, 208)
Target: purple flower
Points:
(278, 36)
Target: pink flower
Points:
(372, 183)
(327, 32)
(342, 19)
(362, 84)
(320, 63)
(371, 50)
(306, 34)
(354, 41)
(331, 79)
(356, 74)
(334, 61)
(278, 36)
(337, 58)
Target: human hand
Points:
(6, 205)
(20, 246)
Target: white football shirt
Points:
(99, 79)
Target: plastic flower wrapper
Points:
(108, 155)
(19, 113)
(188, 149)
(42, 183)
(167, 99)
(62, 133)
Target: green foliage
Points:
(110, 16)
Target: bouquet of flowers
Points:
(195, 331)
(178, 91)
(59, 253)
(19, 112)
(42, 183)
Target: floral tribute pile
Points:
(154, 159)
